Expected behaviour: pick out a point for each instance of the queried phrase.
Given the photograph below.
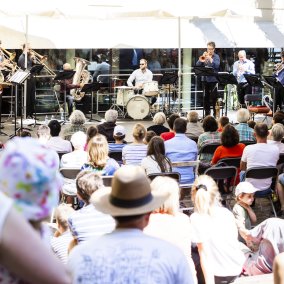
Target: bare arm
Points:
(23, 253)
(206, 266)
(243, 166)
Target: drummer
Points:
(141, 76)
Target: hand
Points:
(81, 85)
(244, 205)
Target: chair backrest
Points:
(234, 161)
(194, 164)
(70, 173)
(194, 138)
(261, 172)
(248, 142)
(107, 180)
(221, 173)
(117, 155)
(209, 148)
(174, 175)
(60, 154)
(281, 159)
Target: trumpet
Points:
(40, 59)
(203, 57)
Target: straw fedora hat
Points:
(129, 195)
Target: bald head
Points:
(67, 66)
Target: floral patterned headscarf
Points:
(29, 175)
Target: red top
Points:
(228, 152)
(167, 135)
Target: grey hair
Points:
(43, 130)
(243, 115)
(242, 52)
(77, 117)
(277, 132)
(78, 139)
(111, 115)
(192, 116)
(159, 118)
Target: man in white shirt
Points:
(260, 154)
(127, 255)
(55, 142)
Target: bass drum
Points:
(138, 107)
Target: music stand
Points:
(274, 83)
(19, 78)
(169, 78)
(34, 71)
(94, 87)
(204, 71)
(64, 75)
(253, 80)
(224, 79)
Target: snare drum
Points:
(150, 89)
(124, 94)
(138, 107)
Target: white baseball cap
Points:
(245, 187)
(119, 131)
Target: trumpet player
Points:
(241, 67)
(210, 85)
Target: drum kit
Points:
(137, 106)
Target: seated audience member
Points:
(260, 154)
(278, 117)
(222, 122)
(277, 134)
(119, 136)
(169, 135)
(210, 135)
(215, 233)
(159, 121)
(29, 174)
(167, 222)
(78, 157)
(77, 121)
(98, 159)
(43, 133)
(23, 257)
(62, 237)
(156, 160)
(88, 222)
(245, 132)
(251, 124)
(242, 210)
(106, 128)
(280, 191)
(149, 135)
(194, 127)
(92, 131)
(132, 154)
(230, 146)
(127, 253)
(181, 149)
(24, 133)
(55, 142)
(278, 269)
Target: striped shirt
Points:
(87, 223)
(245, 132)
(206, 138)
(133, 154)
(60, 245)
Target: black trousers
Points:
(210, 97)
(30, 103)
(279, 97)
(242, 90)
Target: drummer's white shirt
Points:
(140, 77)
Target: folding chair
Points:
(248, 142)
(264, 173)
(116, 155)
(234, 161)
(222, 173)
(280, 163)
(174, 175)
(70, 173)
(208, 150)
(60, 154)
(107, 180)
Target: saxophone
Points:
(81, 76)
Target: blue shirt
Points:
(215, 65)
(182, 149)
(248, 67)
